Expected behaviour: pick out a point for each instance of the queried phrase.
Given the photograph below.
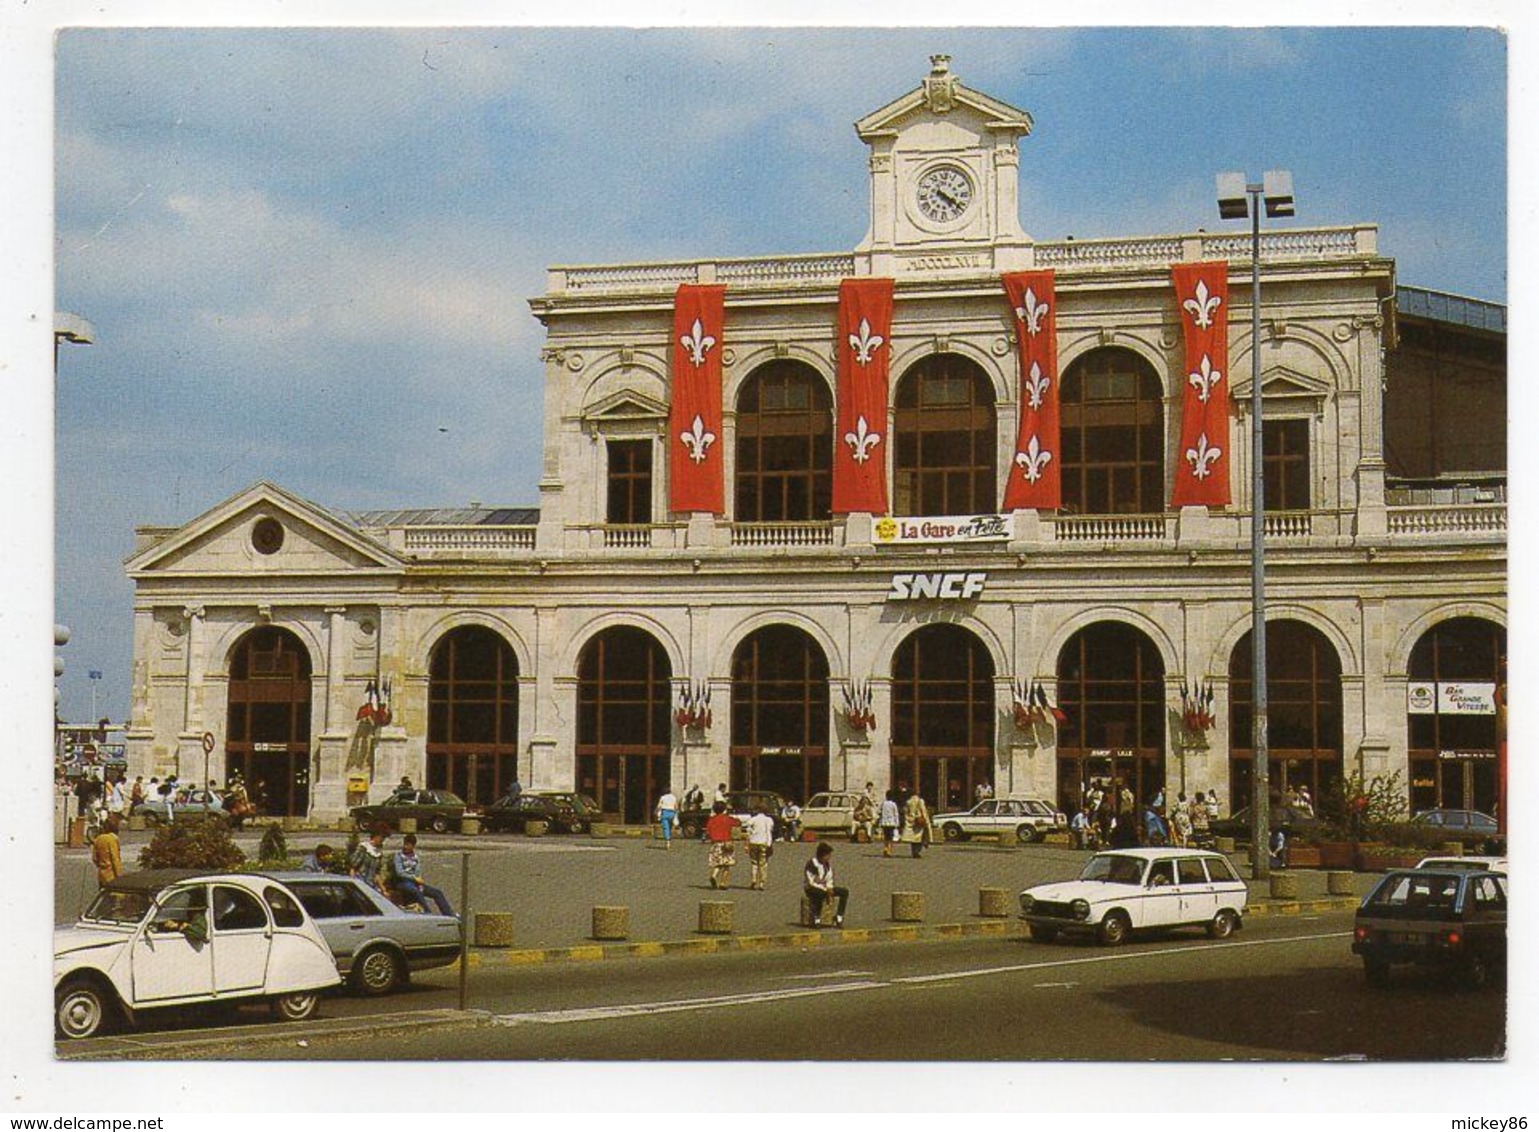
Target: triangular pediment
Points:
(968, 106)
(625, 405)
(1281, 383)
(263, 530)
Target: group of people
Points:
(759, 829)
(398, 876)
(1109, 815)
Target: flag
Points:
(1036, 472)
(860, 433)
(696, 474)
(1202, 457)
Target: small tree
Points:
(193, 842)
(274, 849)
(1366, 808)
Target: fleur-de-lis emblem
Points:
(1032, 313)
(1037, 385)
(698, 342)
(1205, 379)
(697, 439)
(862, 440)
(1203, 306)
(1203, 457)
(864, 344)
(1033, 460)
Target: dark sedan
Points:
(740, 803)
(1293, 823)
(1469, 827)
(437, 810)
(561, 811)
(1452, 920)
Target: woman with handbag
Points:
(916, 824)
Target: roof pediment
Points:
(625, 405)
(1281, 382)
(225, 539)
(942, 95)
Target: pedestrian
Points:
(1213, 811)
(1202, 833)
(891, 822)
(862, 818)
(107, 853)
(721, 794)
(818, 884)
(1125, 832)
(718, 831)
(1306, 804)
(1155, 832)
(761, 845)
(791, 821)
(136, 795)
(1082, 829)
(1277, 849)
(916, 824)
(667, 816)
(694, 798)
(404, 786)
(1181, 822)
(321, 859)
(366, 861)
(406, 872)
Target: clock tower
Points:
(944, 181)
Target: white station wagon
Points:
(1128, 890)
(175, 937)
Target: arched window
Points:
(780, 713)
(1453, 753)
(624, 721)
(944, 462)
(1113, 423)
(1303, 689)
(942, 714)
(785, 430)
(472, 740)
(267, 731)
(1111, 689)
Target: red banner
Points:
(1036, 472)
(1202, 459)
(860, 440)
(695, 469)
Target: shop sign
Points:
(940, 587)
(357, 784)
(941, 530)
(278, 747)
(1466, 699)
(780, 750)
(1461, 755)
(1118, 753)
(1421, 699)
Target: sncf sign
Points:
(937, 587)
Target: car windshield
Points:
(1113, 869)
(118, 907)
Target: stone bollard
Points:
(908, 907)
(993, 902)
(827, 916)
(1224, 844)
(536, 828)
(1285, 887)
(345, 825)
(470, 825)
(136, 823)
(716, 917)
(494, 929)
(611, 921)
(1451, 849)
(1339, 883)
(408, 825)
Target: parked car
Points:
(198, 803)
(740, 804)
(437, 810)
(831, 812)
(1497, 865)
(1470, 827)
(1128, 890)
(1293, 823)
(1450, 920)
(562, 811)
(177, 937)
(1024, 819)
(376, 944)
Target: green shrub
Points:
(192, 843)
(274, 847)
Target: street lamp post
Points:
(1238, 198)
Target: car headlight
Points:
(1080, 909)
(1027, 900)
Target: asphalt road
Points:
(1286, 988)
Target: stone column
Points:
(328, 790)
(189, 745)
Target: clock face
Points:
(944, 193)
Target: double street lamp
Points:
(1238, 198)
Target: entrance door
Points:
(942, 715)
(267, 734)
(624, 722)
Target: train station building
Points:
(956, 506)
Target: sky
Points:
(307, 253)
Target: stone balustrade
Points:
(1112, 528)
(782, 534)
(1482, 519)
(473, 540)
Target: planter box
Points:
(1383, 859)
(1336, 854)
(1303, 857)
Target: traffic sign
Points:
(208, 742)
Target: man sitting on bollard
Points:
(406, 874)
(819, 885)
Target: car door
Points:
(1199, 903)
(242, 940)
(1485, 918)
(343, 913)
(171, 957)
(1161, 903)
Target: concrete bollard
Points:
(1339, 883)
(470, 825)
(1285, 887)
(344, 825)
(993, 902)
(716, 917)
(494, 929)
(536, 828)
(827, 916)
(908, 907)
(136, 823)
(611, 921)
(408, 825)
(1451, 849)
(1224, 844)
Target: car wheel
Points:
(951, 831)
(1042, 933)
(80, 1011)
(377, 971)
(1114, 929)
(1026, 834)
(296, 1007)
(578, 827)
(439, 825)
(1376, 971)
(1222, 925)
